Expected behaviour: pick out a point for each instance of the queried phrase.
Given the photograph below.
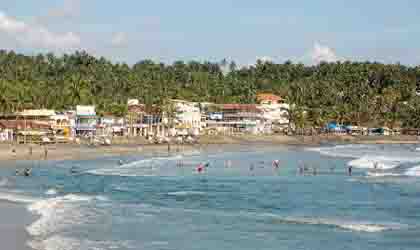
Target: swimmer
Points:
(207, 164)
(301, 171)
(251, 167)
(73, 170)
(350, 170)
(27, 172)
(200, 168)
(276, 163)
(120, 162)
(375, 165)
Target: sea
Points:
(239, 201)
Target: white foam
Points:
(381, 174)
(145, 167)
(347, 225)
(186, 193)
(382, 162)
(415, 171)
(345, 151)
(417, 149)
(17, 197)
(56, 214)
(66, 243)
(4, 182)
(51, 191)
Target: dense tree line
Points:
(361, 93)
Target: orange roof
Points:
(268, 97)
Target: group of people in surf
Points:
(200, 168)
(302, 169)
(25, 172)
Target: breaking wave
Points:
(186, 193)
(17, 197)
(346, 225)
(145, 167)
(415, 171)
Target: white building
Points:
(187, 117)
(274, 110)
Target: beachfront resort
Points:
(179, 121)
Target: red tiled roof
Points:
(268, 97)
(13, 124)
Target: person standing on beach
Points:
(45, 153)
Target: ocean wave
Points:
(51, 191)
(382, 174)
(346, 225)
(345, 151)
(58, 213)
(349, 225)
(382, 162)
(134, 168)
(4, 182)
(186, 193)
(17, 197)
(67, 243)
(415, 171)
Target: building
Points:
(110, 125)
(236, 118)
(145, 121)
(86, 120)
(28, 126)
(274, 110)
(187, 117)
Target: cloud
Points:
(265, 59)
(322, 53)
(37, 36)
(70, 9)
(119, 39)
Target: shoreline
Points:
(14, 219)
(133, 146)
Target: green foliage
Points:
(348, 92)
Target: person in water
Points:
(375, 165)
(276, 163)
(251, 167)
(27, 172)
(120, 162)
(350, 170)
(200, 168)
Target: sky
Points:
(305, 31)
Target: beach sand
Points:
(83, 151)
(14, 218)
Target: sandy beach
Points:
(12, 152)
(14, 218)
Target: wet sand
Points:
(14, 219)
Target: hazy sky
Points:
(302, 30)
